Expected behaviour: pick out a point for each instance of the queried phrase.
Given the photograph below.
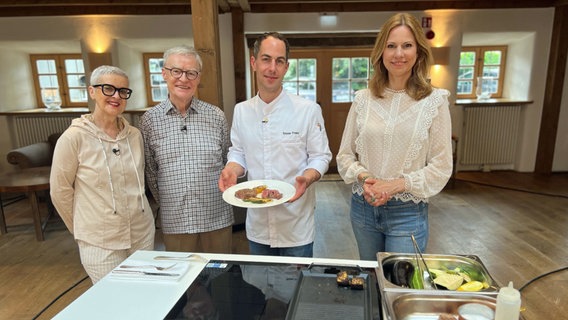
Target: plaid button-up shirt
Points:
(184, 158)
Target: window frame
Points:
(478, 69)
(61, 74)
(350, 79)
(298, 81)
(146, 56)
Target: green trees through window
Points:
(481, 63)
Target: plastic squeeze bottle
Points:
(508, 303)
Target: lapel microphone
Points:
(184, 128)
(116, 151)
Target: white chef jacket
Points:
(279, 141)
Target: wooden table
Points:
(30, 181)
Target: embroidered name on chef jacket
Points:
(290, 132)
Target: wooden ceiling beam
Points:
(264, 6)
(242, 4)
(15, 8)
(224, 5)
(93, 10)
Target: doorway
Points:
(329, 77)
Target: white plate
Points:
(286, 189)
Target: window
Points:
(485, 64)
(348, 76)
(301, 78)
(156, 88)
(59, 77)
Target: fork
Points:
(148, 266)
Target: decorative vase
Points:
(481, 91)
(51, 98)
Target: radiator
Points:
(32, 129)
(490, 135)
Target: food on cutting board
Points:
(357, 283)
(259, 194)
(342, 279)
(354, 282)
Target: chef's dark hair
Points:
(279, 36)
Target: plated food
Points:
(259, 193)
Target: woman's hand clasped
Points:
(373, 197)
(375, 200)
(377, 192)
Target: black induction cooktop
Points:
(257, 291)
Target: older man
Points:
(186, 141)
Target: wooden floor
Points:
(519, 235)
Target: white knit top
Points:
(397, 136)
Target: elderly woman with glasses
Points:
(97, 179)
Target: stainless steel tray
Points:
(437, 261)
(414, 306)
(391, 293)
(317, 296)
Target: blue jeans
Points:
(265, 250)
(387, 228)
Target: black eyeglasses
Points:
(109, 90)
(177, 73)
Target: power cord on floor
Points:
(532, 192)
(58, 297)
(514, 189)
(542, 276)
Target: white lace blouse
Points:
(397, 136)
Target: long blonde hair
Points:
(418, 86)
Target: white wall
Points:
(526, 31)
(126, 37)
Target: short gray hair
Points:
(105, 70)
(184, 51)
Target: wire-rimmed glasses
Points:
(177, 73)
(109, 90)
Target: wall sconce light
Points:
(99, 59)
(441, 55)
(328, 19)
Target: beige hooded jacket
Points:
(97, 185)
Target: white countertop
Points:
(113, 298)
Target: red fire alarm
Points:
(430, 34)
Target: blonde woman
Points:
(396, 147)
